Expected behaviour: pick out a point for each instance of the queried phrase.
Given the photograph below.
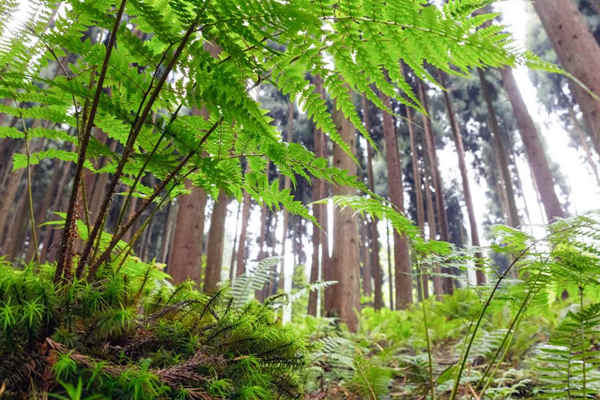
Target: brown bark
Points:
(583, 141)
(447, 282)
(389, 265)
(402, 272)
(533, 148)
(313, 297)
(345, 258)
(185, 260)
(8, 200)
(418, 192)
(367, 285)
(438, 290)
(500, 151)
(214, 248)
(241, 251)
(578, 53)
(165, 242)
(462, 166)
(234, 247)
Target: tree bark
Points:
(533, 148)
(402, 272)
(578, 53)
(313, 296)
(462, 166)
(447, 282)
(185, 260)
(241, 251)
(345, 258)
(214, 248)
(500, 150)
(372, 223)
(418, 190)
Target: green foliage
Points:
(115, 339)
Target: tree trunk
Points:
(366, 274)
(583, 141)
(345, 258)
(462, 166)
(533, 148)
(389, 265)
(372, 223)
(313, 297)
(241, 252)
(185, 260)
(447, 282)
(418, 192)
(402, 273)
(578, 53)
(232, 273)
(513, 214)
(438, 290)
(214, 248)
(168, 230)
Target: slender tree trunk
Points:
(345, 259)
(185, 260)
(364, 257)
(447, 282)
(513, 213)
(166, 237)
(533, 148)
(284, 233)
(313, 296)
(438, 289)
(241, 252)
(583, 141)
(403, 270)
(418, 190)
(8, 201)
(462, 166)
(578, 53)
(372, 223)
(232, 273)
(389, 266)
(214, 248)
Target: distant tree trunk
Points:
(313, 296)
(447, 282)
(389, 265)
(583, 141)
(232, 273)
(462, 166)
(185, 260)
(533, 148)
(578, 53)
(418, 192)
(168, 230)
(55, 205)
(284, 233)
(438, 290)
(500, 151)
(345, 259)
(9, 200)
(241, 250)
(373, 233)
(214, 248)
(363, 232)
(403, 270)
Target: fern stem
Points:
(30, 194)
(128, 150)
(480, 319)
(81, 157)
(426, 326)
(104, 256)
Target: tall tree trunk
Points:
(418, 191)
(438, 290)
(583, 141)
(55, 205)
(232, 273)
(403, 270)
(345, 258)
(313, 296)
(241, 250)
(168, 230)
(373, 232)
(578, 53)
(389, 265)
(462, 166)
(363, 232)
(185, 260)
(513, 213)
(533, 148)
(447, 282)
(214, 248)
